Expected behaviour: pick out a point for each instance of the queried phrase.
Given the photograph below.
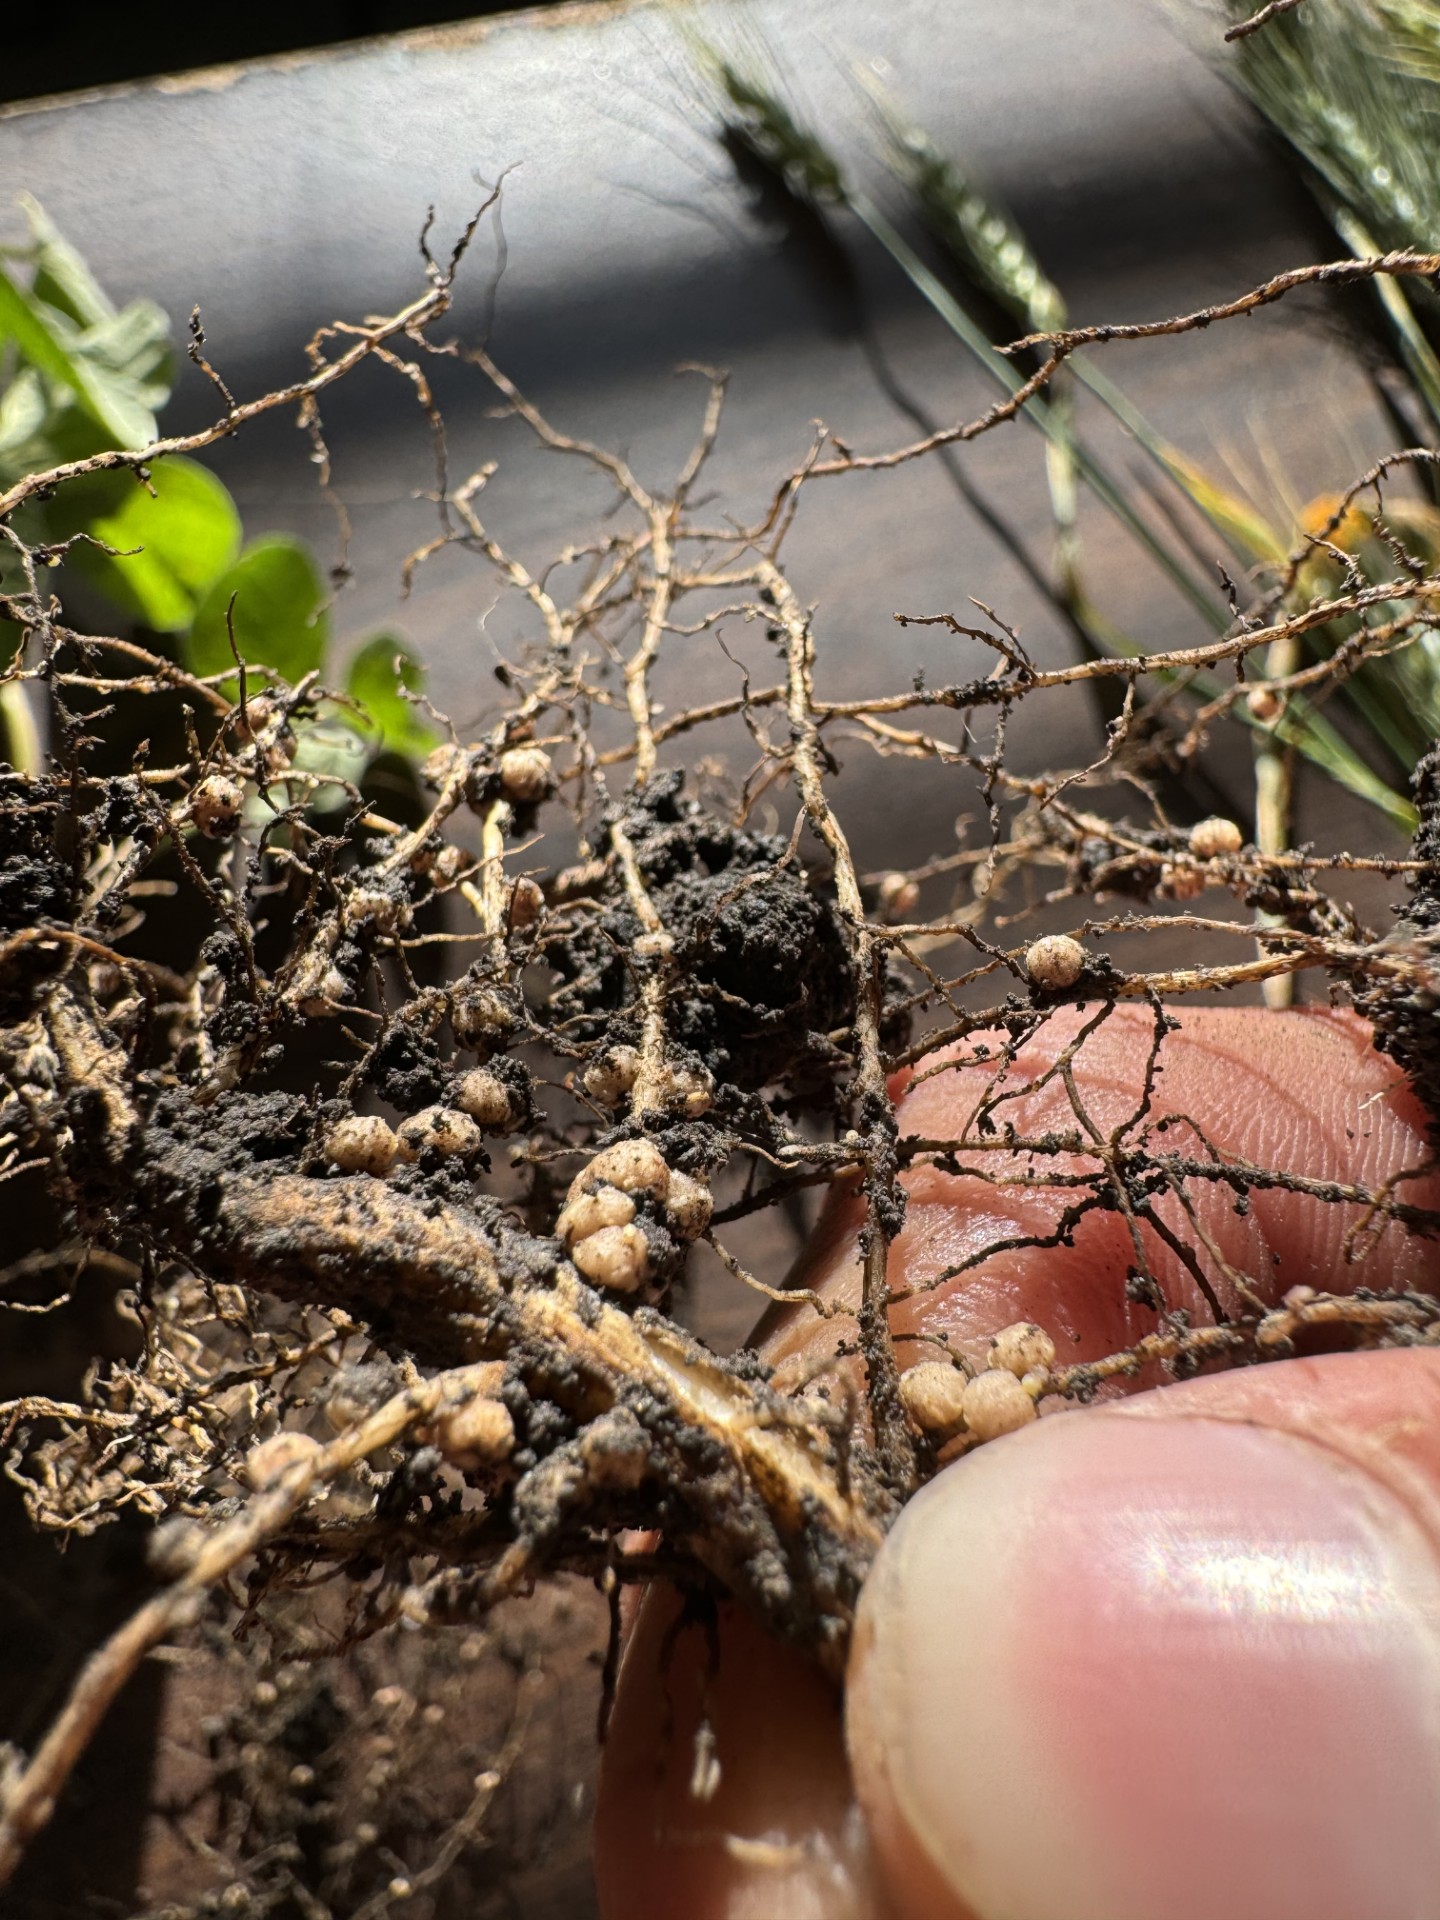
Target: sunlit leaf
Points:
(48, 340)
(280, 616)
(375, 677)
(171, 545)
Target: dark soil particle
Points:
(405, 1068)
(761, 958)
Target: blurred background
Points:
(760, 188)
(92, 45)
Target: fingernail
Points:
(1170, 1669)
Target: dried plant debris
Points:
(399, 1133)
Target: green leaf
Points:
(171, 546)
(280, 616)
(48, 340)
(377, 673)
(62, 279)
(336, 750)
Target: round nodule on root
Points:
(1264, 704)
(215, 806)
(526, 904)
(441, 764)
(1215, 836)
(1055, 962)
(996, 1403)
(635, 1166)
(689, 1205)
(482, 1018)
(267, 1463)
(526, 776)
(692, 1092)
(486, 1098)
(478, 1431)
(371, 908)
(441, 1129)
(933, 1395)
(1022, 1348)
(609, 1079)
(616, 1257)
(590, 1213)
(362, 1143)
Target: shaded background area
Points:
(90, 44)
(279, 195)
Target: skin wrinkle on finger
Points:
(1231, 1071)
(1301, 1092)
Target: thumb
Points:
(1173, 1659)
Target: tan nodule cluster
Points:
(599, 1224)
(364, 1143)
(473, 1428)
(946, 1403)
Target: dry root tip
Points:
(215, 806)
(617, 1258)
(609, 1079)
(996, 1403)
(1264, 705)
(526, 776)
(486, 1098)
(1213, 837)
(1055, 962)
(362, 1143)
(1022, 1348)
(442, 1130)
(268, 1463)
(933, 1394)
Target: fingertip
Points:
(1166, 1667)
